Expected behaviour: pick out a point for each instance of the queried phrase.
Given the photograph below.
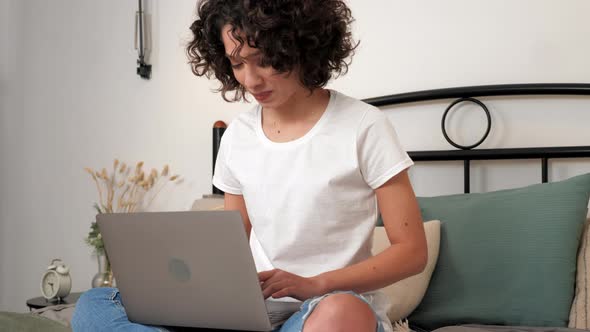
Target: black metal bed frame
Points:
(467, 154)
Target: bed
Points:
(508, 260)
(512, 259)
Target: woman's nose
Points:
(252, 78)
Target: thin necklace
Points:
(275, 127)
(276, 124)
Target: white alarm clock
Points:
(56, 282)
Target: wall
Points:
(75, 101)
(11, 122)
(418, 45)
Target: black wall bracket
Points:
(144, 70)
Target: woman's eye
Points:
(236, 65)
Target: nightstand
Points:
(41, 302)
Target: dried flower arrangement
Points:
(125, 190)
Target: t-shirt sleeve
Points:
(380, 153)
(223, 177)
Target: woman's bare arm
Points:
(407, 254)
(236, 202)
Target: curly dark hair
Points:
(311, 34)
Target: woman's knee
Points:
(342, 312)
(94, 295)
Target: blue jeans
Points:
(101, 309)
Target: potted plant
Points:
(125, 189)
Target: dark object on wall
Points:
(143, 69)
(218, 130)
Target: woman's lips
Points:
(262, 96)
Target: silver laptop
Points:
(190, 269)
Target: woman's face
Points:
(270, 88)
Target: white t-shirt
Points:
(311, 201)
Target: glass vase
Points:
(104, 277)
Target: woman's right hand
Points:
(278, 283)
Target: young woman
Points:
(308, 168)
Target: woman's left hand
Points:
(278, 283)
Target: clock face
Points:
(50, 284)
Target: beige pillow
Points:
(406, 294)
(207, 203)
(581, 305)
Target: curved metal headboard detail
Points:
(468, 93)
(483, 91)
(444, 130)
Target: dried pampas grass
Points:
(121, 191)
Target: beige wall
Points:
(70, 98)
(11, 119)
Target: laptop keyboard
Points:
(279, 312)
(279, 316)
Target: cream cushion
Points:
(581, 304)
(406, 294)
(207, 203)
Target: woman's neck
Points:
(294, 119)
(300, 106)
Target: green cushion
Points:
(506, 257)
(12, 321)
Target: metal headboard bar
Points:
(483, 91)
(543, 153)
(513, 153)
(502, 154)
